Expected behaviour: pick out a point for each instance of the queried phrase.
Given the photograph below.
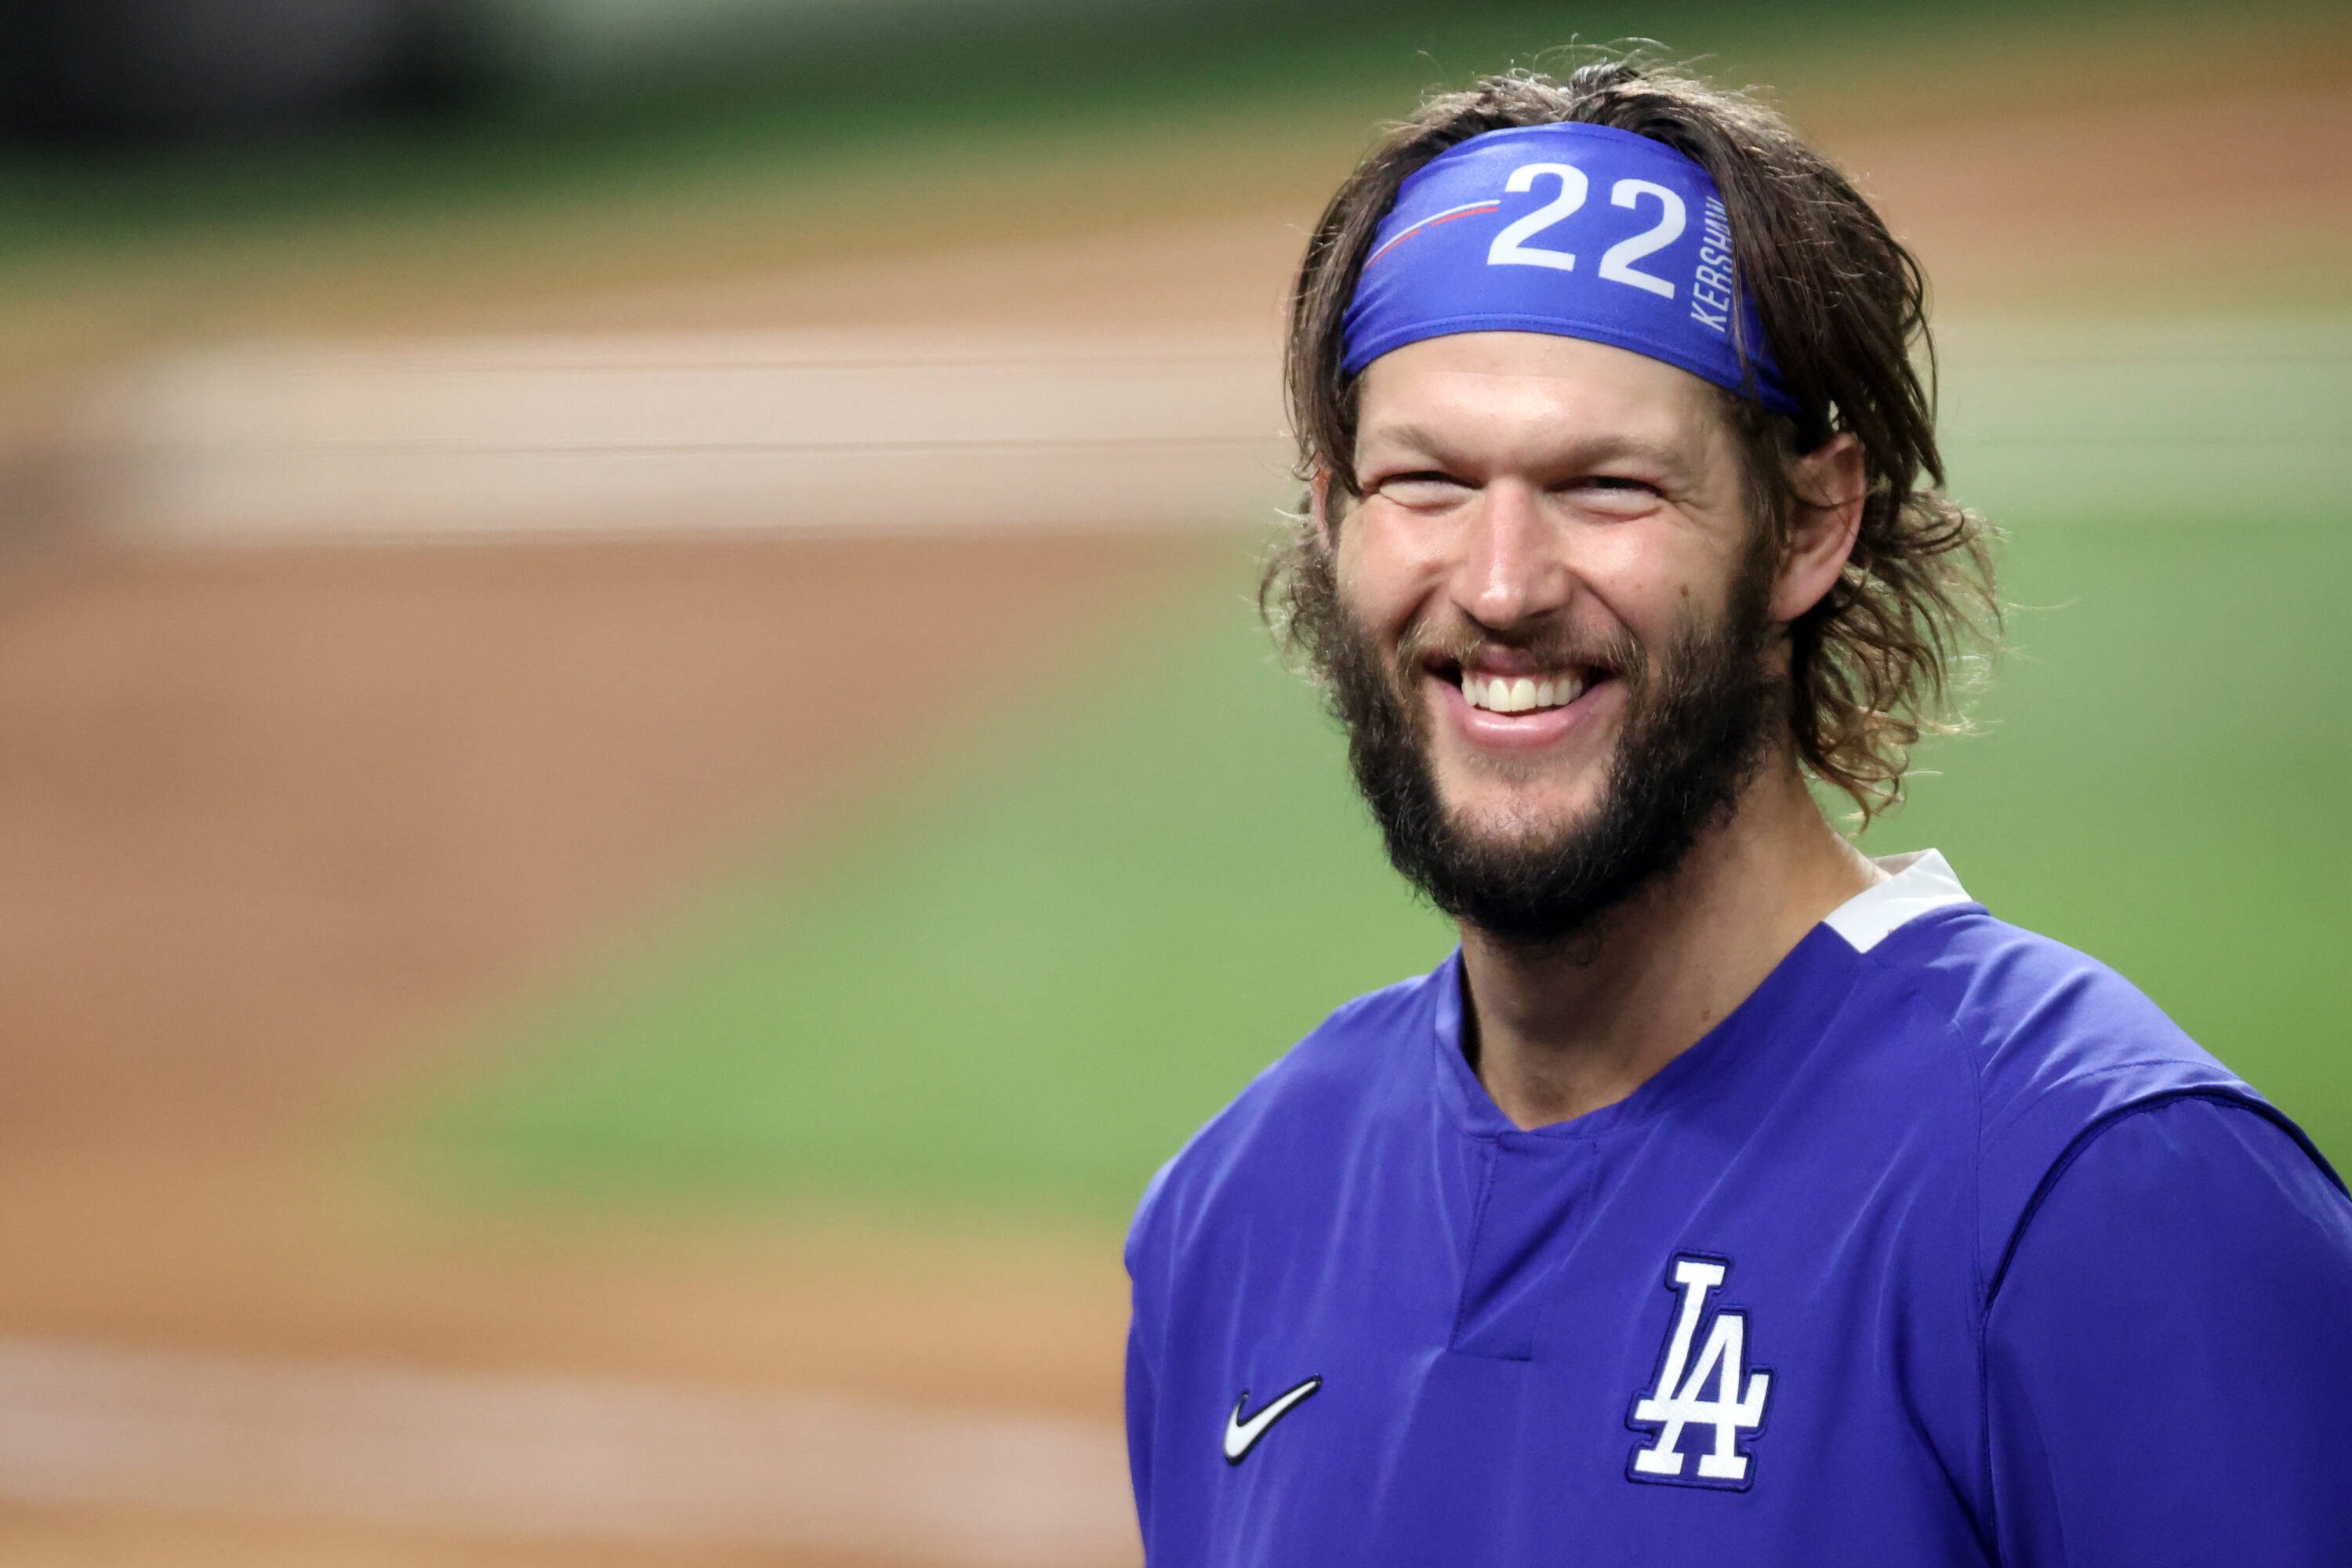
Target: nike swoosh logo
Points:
(1241, 1436)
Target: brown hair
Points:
(1843, 306)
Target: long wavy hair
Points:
(1879, 661)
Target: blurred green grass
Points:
(1023, 991)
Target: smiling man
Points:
(1728, 1197)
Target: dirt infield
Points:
(270, 822)
(63, 1537)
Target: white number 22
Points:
(1511, 248)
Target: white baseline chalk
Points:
(650, 435)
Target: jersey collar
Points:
(1816, 975)
(1918, 883)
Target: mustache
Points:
(1554, 646)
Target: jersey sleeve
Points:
(1139, 1411)
(1142, 1338)
(2169, 1352)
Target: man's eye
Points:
(1421, 490)
(1613, 492)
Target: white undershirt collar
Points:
(1917, 883)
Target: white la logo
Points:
(1681, 1398)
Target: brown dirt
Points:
(51, 1536)
(2227, 203)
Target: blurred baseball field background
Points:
(638, 788)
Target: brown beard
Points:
(1696, 720)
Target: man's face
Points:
(1555, 670)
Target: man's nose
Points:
(1513, 567)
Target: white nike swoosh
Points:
(1241, 1436)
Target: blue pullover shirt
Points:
(1945, 1246)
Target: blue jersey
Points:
(1945, 1247)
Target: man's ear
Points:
(1829, 488)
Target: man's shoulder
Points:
(2034, 1017)
(2056, 1046)
(1358, 1063)
(2044, 1029)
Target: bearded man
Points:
(1728, 1197)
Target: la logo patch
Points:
(1704, 1382)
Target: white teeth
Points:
(1521, 694)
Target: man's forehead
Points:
(1479, 391)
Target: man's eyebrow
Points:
(1404, 438)
(1403, 434)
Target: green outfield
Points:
(1030, 982)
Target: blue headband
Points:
(1580, 231)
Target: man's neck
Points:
(1560, 1033)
